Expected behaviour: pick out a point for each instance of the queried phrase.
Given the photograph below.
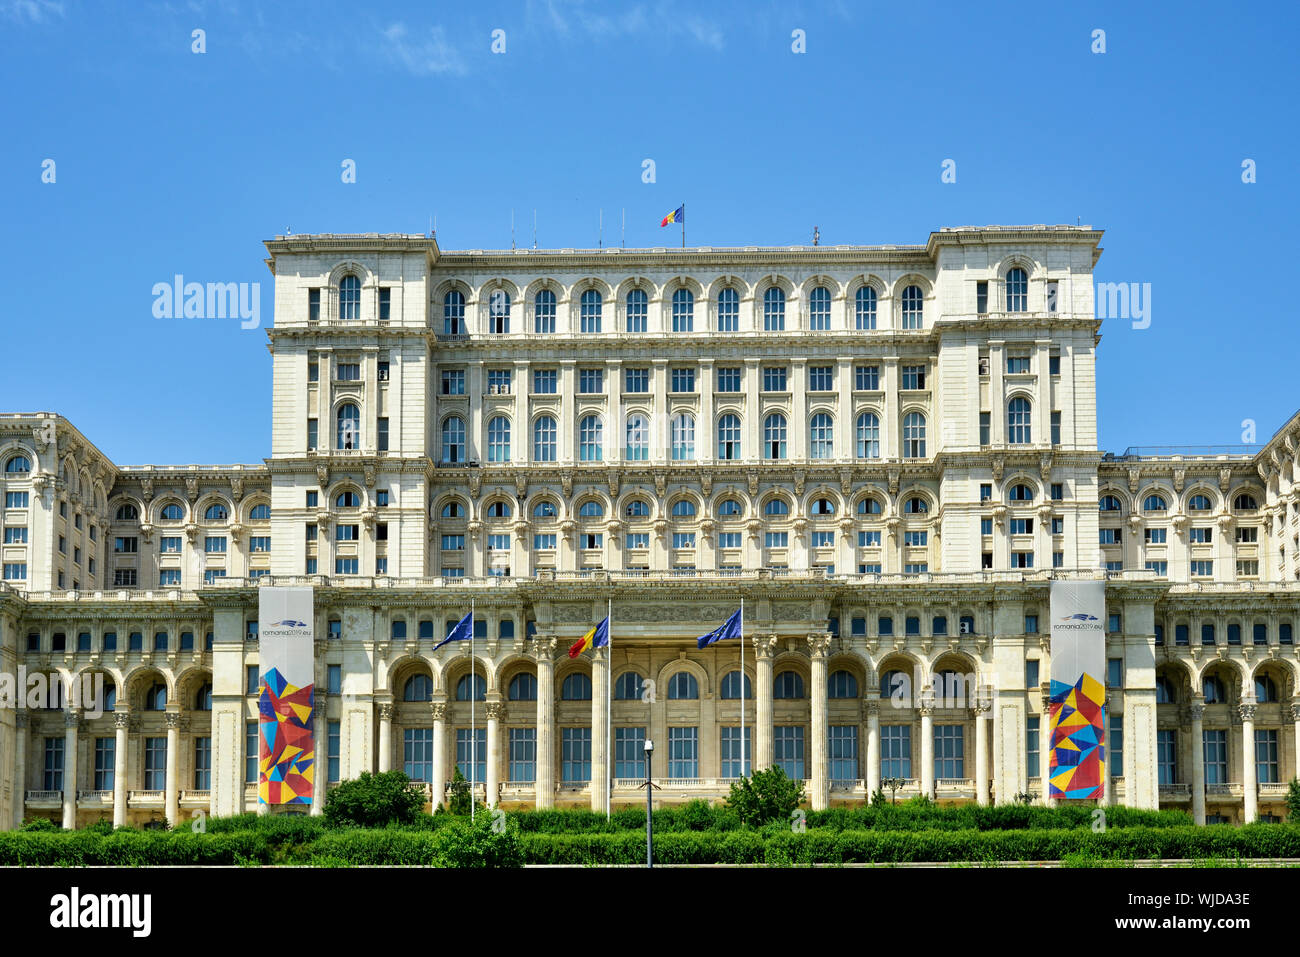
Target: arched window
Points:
(155, 699)
(545, 509)
(638, 508)
(729, 437)
(450, 510)
(788, 684)
(203, 699)
(731, 687)
(591, 509)
(774, 309)
(1265, 690)
(728, 310)
(842, 684)
(18, 465)
(418, 688)
(1199, 503)
(1017, 290)
(499, 312)
(1018, 422)
(1155, 503)
(683, 508)
(214, 513)
(260, 513)
(868, 435)
(172, 512)
(895, 682)
(776, 506)
(576, 687)
(683, 436)
(774, 436)
(869, 506)
(127, 513)
(544, 312)
(348, 499)
(915, 506)
(638, 437)
(591, 438)
(500, 509)
(1109, 503)
(1164, 690)
(730, 508)
(499, 439)
(1020, 492)
(1245, 502)
(544, 439)
(350, 298)
(1213, 690)
(819, 309)
(913, 307)
(523, 687)
(627, 687)
(453, 439)
(821, 437)
(914, 435)
(638, 307)
(866, 308)
(683, 687)
(589, 308)
(463, 687)
(453, 313)
(823, 506)
(110, 699)
(347, 433)
(683, 311)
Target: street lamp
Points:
(649, 787)
(893, 784)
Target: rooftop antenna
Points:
(1078, 220)
(512, 228)
(622, 239)
(600, 234)
(534, 227)
(817, 236)
(433, 230)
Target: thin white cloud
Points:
(667, 19)
(429, 55)
(31, 11)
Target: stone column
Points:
(438, 786)
(121, 723)
(599, 744)
(72, 718)
(386, 737)
(496, 710)
(1295, 716)
(1249, 776)
(1197, 712)
(764, 646)
(818, 645)
(873, 746)
(171, 778)
(927, 749)
(981, 754)
(544, 787)
(20, 765)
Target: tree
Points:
(460, 800)
(765, 796)
(1293, 801)
(374, 800)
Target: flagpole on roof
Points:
(683, 225)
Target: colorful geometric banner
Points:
(287, 751)
(1077, 712)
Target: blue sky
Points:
(168, 161)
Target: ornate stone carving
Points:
(146, 488)
(1045, 465)
(1134, 473)
(1195, 711)
(72, 717)
(521, 484)
(192, 533)
(799, 479)
(999, 463)
(1180, 476)
(1134, 524)
(122, 719)
(439, 711)
(387, 711)
(819, 644)
(496, 710)
(476, 483)
(846, 481)
(322, 476)
(894, 476)
(544, 648)
(173, 720)
(236, 487)
(612, 477)
(661, 482)
(191, 488)
(1225, 479)
(368, 476)
(765, 645)
(40, 482)
(1246, 711)
(751, 477)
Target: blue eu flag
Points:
(463, 631)
(729, 629)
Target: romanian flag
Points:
(598, 637)
(678, 215)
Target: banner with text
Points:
(285, 648)
(1077, 712)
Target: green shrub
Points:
(480, 843)
(1293, 801)
(38, 824)
(764, 796)
(374, 800)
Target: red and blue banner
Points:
(1077, 709)
(287, 752)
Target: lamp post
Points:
(893, 784)
(649, 825)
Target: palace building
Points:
(888, 452)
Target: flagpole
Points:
(742, 686)
(473, 727)
(609, 705)
(683, 225)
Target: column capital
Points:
(872, 707)
(121, 719)
(386, 711)
(765, 646)
(496, 710)
(72, 718)
(819, 644)
(544, 649)
(1247, 712)
(20, 718)
(1196, 710)
(1295, 711)
(173, 719)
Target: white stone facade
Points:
(890, 479)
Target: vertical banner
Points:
(1077, 714)
(287, 750)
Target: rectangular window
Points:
(821, 378)
(787, 750)
(214, 544)
(774, 379)
(683, 380)
(1155, 536)
(985, 428)
(1031, 624)
(843, 752)
(591, 381)
(126, 546)
(914, 377)
(728, 539)
(381, 433)
(499, 382)
(523, 755)
(122, 577)
(347, 533)
(1056, 428)
(453, 543)
(543, 542)
(825, 539)
(1202, 569)
(15, 499)
(1108, 536)
(18, 536)
(683, 753)
(1031, 674)
(869, 539)
(731, 756)
(1266, 756)
(333, 749)
(949, 745)
(575, 755)
(385, 303)
(313, 305)
(251, 746)
(896, 751)
(1017, 365)
(471, 749)
(1022, 526)
(155, 764)
(169, 545)
(1167, 756)
(986, 526)
(636, 380)
(916, 538)
(1058, 525)
(259, 543)
(1022, 559)
(203, 763)
(348, 372)
(453, 381)
(17, 572)
(1115, 672)
(1054, 364)
(1248, 534)
(168, 577)
(1216, 756)
(346, 566)
(866, 378)
(105, 753)
(545, 381)
(727, 379)
(591, 540)
(1032, 769)
(1160, 568)
(1200, 536)
(683, 539)
(776, 539)
(1115, 744)
(981, 297)
(498, 543)
(417, 753)
(1058, 492)
(53, 777)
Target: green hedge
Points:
(132, 848)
